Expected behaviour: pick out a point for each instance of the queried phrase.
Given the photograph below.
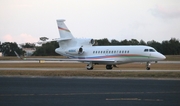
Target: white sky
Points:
(26, 20)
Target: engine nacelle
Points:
(86, 41)
(75, 51)
(92, 41)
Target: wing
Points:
(94, 61)
(101, 61)
(66, 59)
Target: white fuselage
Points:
(118, 54)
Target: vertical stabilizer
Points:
(63, 30)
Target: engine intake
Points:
(86, 41)
(92, 41)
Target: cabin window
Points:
(119, 51)
(114, 51)
(122, 51)
(93, 51)
(109, 51)
(127, 51)
(101, 51)
(104, 52)
(145, 50)
(96, 51)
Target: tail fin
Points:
(63, 30)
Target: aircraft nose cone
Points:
(162, 57)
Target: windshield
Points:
(149, 50)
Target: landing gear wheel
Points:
(109, 67)
(148, 68)
(89, 66)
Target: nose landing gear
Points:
(148, 64)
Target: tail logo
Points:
(63, 29)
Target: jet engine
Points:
(86, 41)
(75, 51)
(92, 41)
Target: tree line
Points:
(166, 47)
(8, 48)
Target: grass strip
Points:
(130, 66)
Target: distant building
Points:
(29, 51)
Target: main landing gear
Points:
(89, 66)
(109, 67)
(148, 64)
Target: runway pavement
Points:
(78, 91)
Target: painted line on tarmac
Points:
(134, 99)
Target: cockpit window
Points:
(145, 50)
(151, 50)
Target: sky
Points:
(25, 21)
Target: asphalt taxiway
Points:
(68, 91)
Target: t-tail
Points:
(68, 45)
(63, 30)
(66, 38)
